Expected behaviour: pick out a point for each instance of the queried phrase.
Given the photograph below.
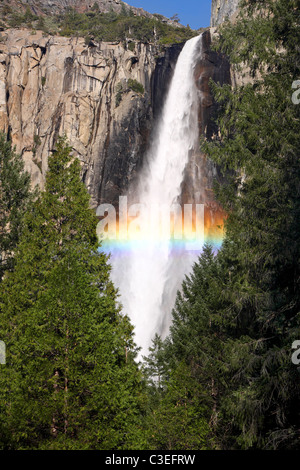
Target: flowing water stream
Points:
(159, 236)
(153, 268)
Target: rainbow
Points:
(213, 235)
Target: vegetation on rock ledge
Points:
(97, 26)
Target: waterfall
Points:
(152, 270)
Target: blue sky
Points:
(196, 13)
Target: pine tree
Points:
(70, 381)
(258, 143)
(238, 313)
(14, 197)
(154, 364)
(179, 419)
(199, 332)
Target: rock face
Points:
(51, 86)
(162, 75)
(222, 9)
(200, 172)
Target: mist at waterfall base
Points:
(147, 267)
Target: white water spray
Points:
(149, 278)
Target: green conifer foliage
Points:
(70, 380)
(178, 421)
(14, 197)
(237, 316)
(258, 143)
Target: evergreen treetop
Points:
(70, 381)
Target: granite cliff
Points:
(222, 10)
(53, 85)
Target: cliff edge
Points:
(222, 9)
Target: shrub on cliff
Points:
(135, 86)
